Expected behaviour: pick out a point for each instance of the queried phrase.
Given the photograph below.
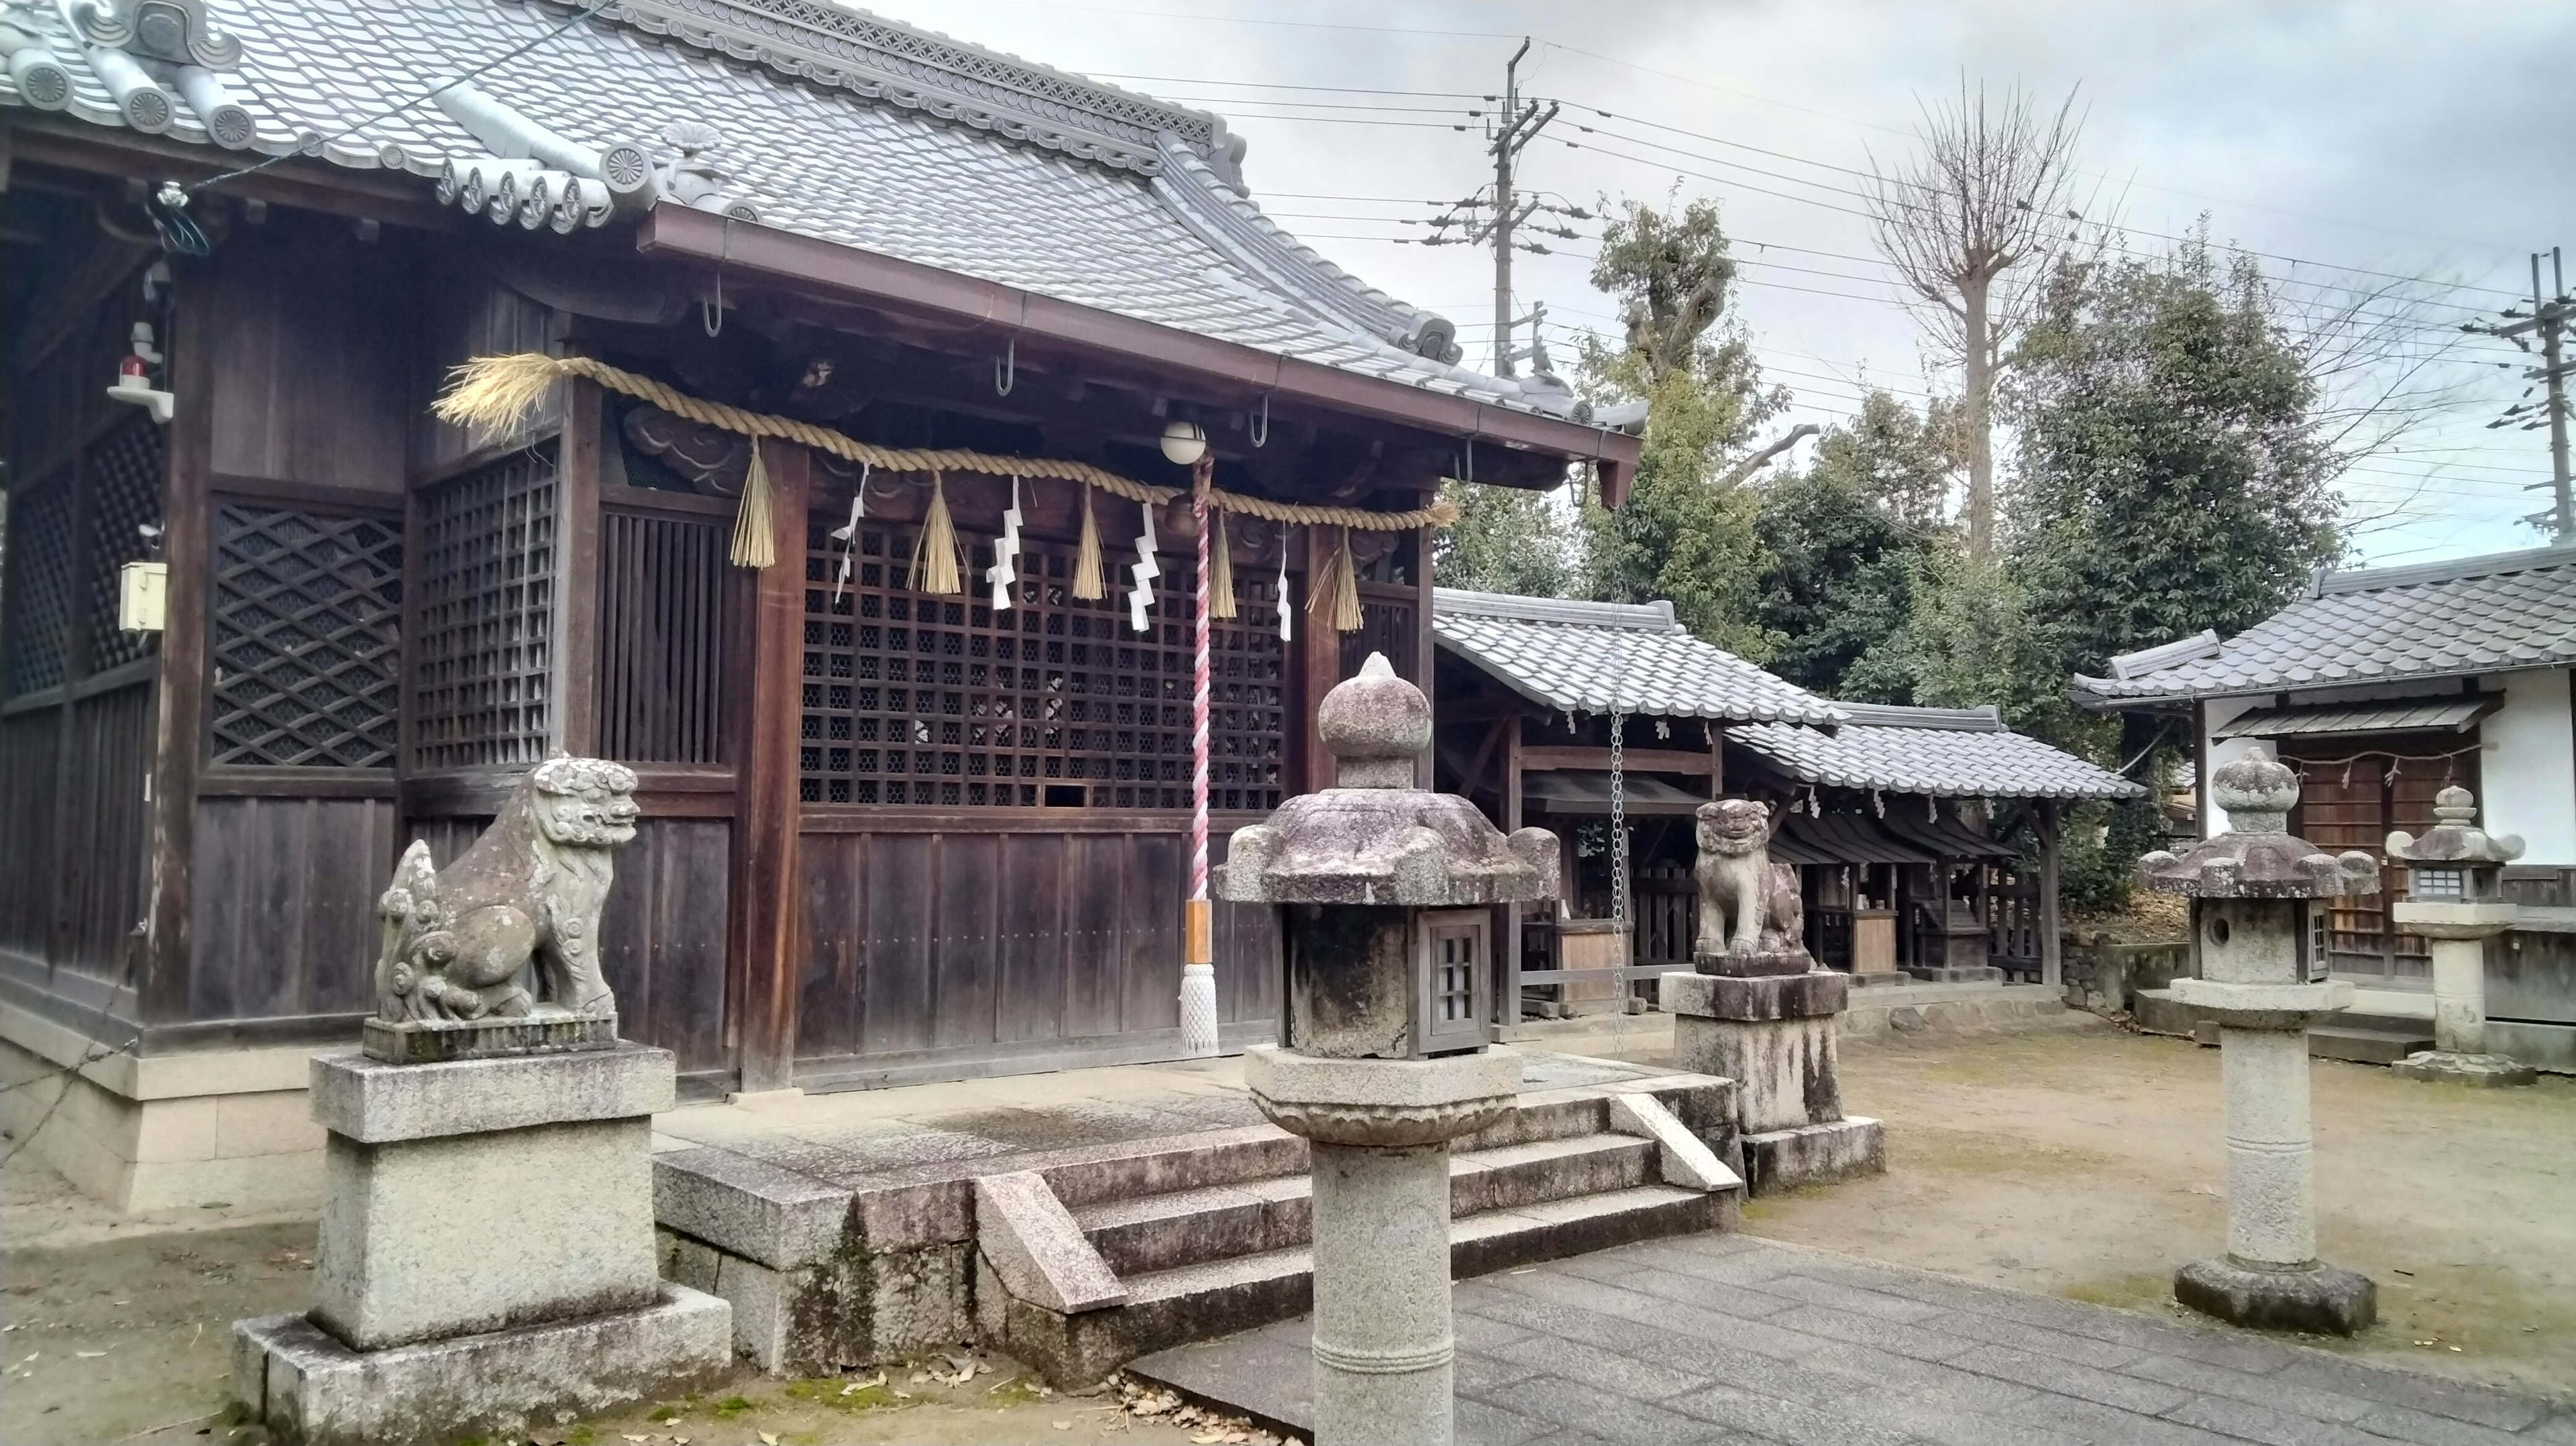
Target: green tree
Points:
(1506, 540)
(1687, 530)
(2173, 473)
(1849, 541)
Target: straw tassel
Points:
(755, 536)
(1088, 569)
(1346, 589)
(1221, 574)
(936, 567)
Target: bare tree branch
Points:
(1968, 223)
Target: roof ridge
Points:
(1655, 617)
(1986, 718)
(886, 60)
(2457, 569)
(1223, 210)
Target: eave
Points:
(1235, 375)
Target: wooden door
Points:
(2352, 802)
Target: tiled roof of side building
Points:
(1613, 657)
(807, 116)
(2490, 614)
(1955, 753)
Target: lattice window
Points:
(662, 587)
(484, 627)
(122, 475)
(39, 604)
(941, 702)
(307, 638)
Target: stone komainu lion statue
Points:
(1737, 878)
(528, 892)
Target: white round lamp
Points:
(1184, 443)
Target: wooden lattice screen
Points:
(1386, 626)
(2353, 803)
(39, 605)
(484, 625)
(306, 638)
(122, 473)
(918, 700)
(662, 587)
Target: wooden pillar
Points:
(2052, 964)
(576, 640)
(1320, 650)
(180, 724)
(1716, 760)
(765, 948)
(1424, 663)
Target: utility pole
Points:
(1515, 127)
(2550, 314)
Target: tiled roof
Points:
(2475, 615)
(2452, 713)
(815, 118)
(1957, 753)
(1612, 658)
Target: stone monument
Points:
(1385, 1062)
(2455, 899)
(486, 1257)
(2255, 891)
(1758, 1009)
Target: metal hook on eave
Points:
(713, 321)
(1006, 368)
(1259, 431)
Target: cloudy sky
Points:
(2349, 145)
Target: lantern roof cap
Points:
(2455, 838)
(2258, 857)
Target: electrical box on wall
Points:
(143, 597)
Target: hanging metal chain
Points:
(1618, 818)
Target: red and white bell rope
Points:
(1198, 967)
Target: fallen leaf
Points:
(900, 1395)
(1062, 1425)
(768, 1438)
(1207, 1438)
(89, 1355)
(638, 1438)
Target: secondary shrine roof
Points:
(1950, 752)
(1587, 657)
(2473, 615)
(811, 117)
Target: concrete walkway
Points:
(1724, 1338)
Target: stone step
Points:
(1218, 1297)
(2367, 1046)
(1186, 1227)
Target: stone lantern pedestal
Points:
(2456, 902)
(1385, 1061)
(2253, 891)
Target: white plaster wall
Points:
(2214, 754)
(2529, 764)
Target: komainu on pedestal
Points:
(1758, 1009)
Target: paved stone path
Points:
(1724, 1338)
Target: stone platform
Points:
(1725, 1338)
(1077, 1220)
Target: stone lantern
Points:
(1383, 892)
(2455, 899)
(2257, 893)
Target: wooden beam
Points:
(766, 950)
(1507, 999)
(1485, 751)
(1635, 760)
(180, 728)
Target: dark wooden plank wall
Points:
(29, 856)
(926, 943)
(466, 313)
(662, 938)
(313, 336)
(285, 914)
(105, 758)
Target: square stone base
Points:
(2320, 1300)
(311, 1390)
(1777, 1160)
(427, 1041)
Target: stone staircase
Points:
(1077, 1261)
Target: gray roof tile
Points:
(837, 125)
(2473, 615)
(1949, 752)
(1612, 658)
